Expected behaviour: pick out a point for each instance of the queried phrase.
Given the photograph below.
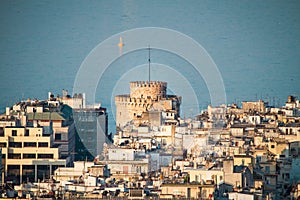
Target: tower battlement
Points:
(148, 84)
(122, 98)
(146, 89)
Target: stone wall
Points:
(145, 89)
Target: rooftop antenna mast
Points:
(149, 61)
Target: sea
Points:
(254, 44)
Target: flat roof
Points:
(45, 116)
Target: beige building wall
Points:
(166, 135)
(127, 169)
(278, 148)
(230, 177)
(202, 175)
(196, 191)
(243, 160)
(23, 147)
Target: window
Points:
(15, 144)
(57, 136)
(1, 132)
(29, 144)
(45, 155)
(14, 156)
(2, 144)
(29, 156)
(258, 159)
(43, 144)
(281, 156)
(27, 132)
(14, 132)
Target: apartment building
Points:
(27, 154)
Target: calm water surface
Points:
(255, 44)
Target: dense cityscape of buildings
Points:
(59, 148)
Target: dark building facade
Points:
(91, 132)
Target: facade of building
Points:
(203, 175)
(254, 106)
(54, 117)
(27, 154)
(238, 176)
(76, 102)
(91, 132)
(59, 126)
(189, 191)
(217, 115)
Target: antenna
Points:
(149, 61)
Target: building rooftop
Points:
(45, 116)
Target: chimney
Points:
(35, 124)
(23, 119)
(7, 112)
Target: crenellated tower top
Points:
(148, 89)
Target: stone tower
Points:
(145, 97)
